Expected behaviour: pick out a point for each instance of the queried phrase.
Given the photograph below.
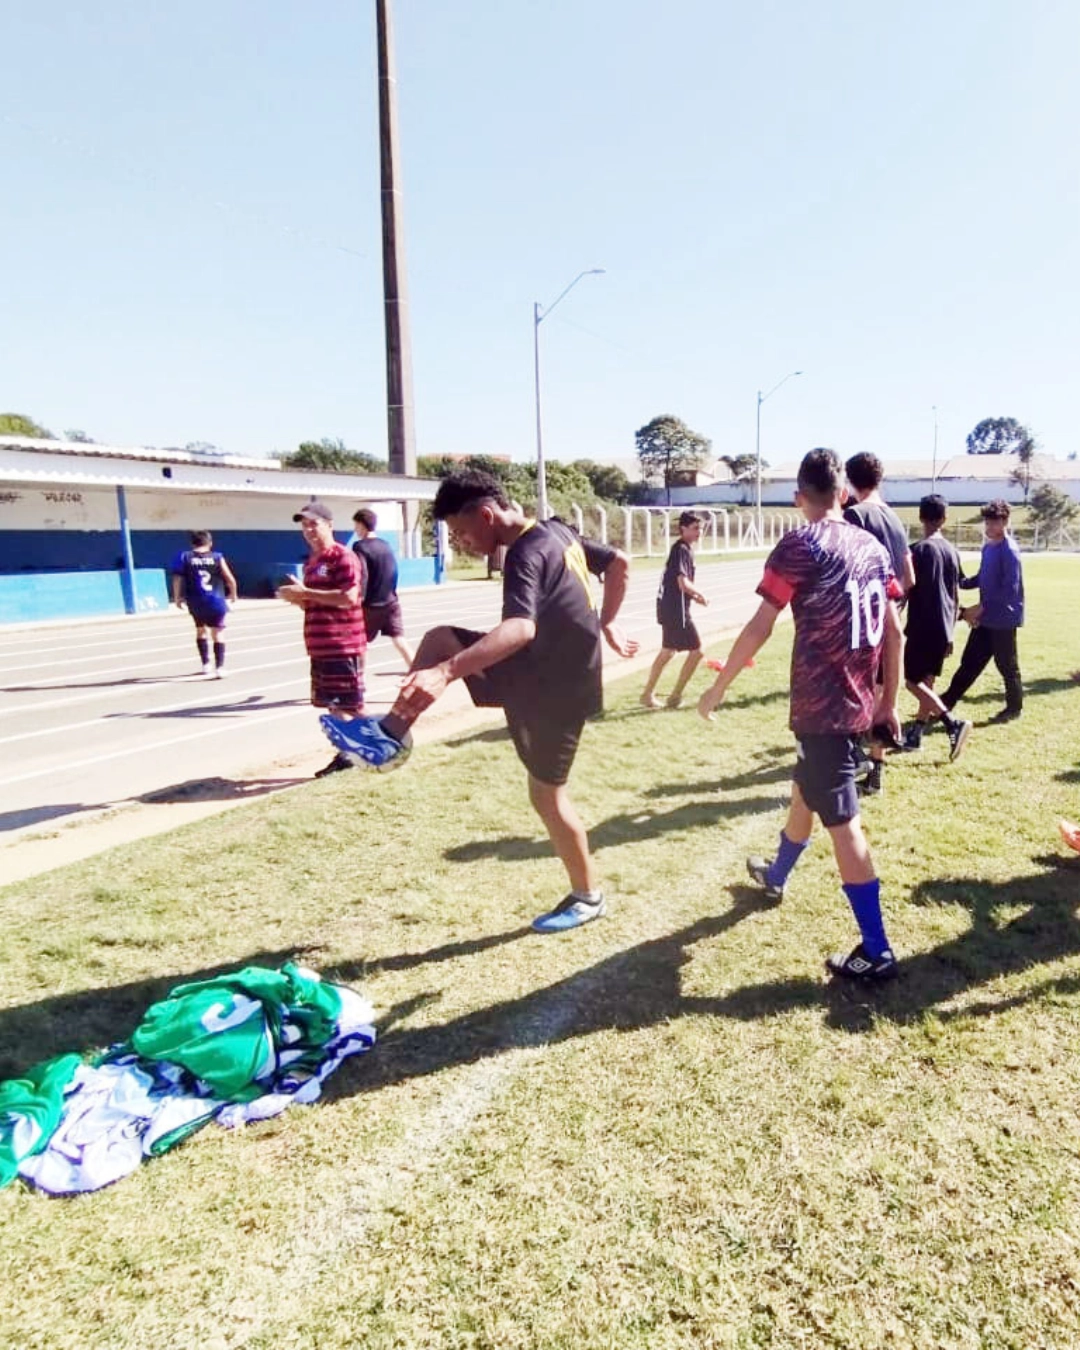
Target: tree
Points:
(666, 446)
(1050, 506)
(15, 424)
(608, 481)
(328, 456)
(997, 436)
(742, 467)
(1023, 470)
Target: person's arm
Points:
(616, 581)
(750, 641)
(688, 588)
(907, 581)
(231, 591)
(296, 593)
(886, 711)
(178, 590)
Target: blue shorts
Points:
(209, 611)
(825, 772)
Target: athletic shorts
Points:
(209, 612)
(546, 745)
(680, 637)
(924, 660)
(825, 773)
(385, 619)
(337, 682)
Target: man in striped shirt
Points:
(334, 633)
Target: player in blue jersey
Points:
(203, 581)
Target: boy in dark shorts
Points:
(678, 633)
(334, 633)
(541, 665)
(932, 609)
(870, 511)
(382, 609)
(840, 584)
(203, 581)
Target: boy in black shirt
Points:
(931, 618)
(541, 664)
(678, 633)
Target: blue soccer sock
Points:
(787, 855)
(865, 900)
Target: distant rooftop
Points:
(168, 455)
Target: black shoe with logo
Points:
(858, 965)
(336, 765)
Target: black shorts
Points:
(545, 743)
(337, 682)
(924, 660)
(679, 637)
(825, 773)
(208, 612)
(384, 619)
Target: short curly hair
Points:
(462, 491)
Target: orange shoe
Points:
(1070, 833)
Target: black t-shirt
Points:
(380, 570)
(887, 528)
(672, 602)
(932, 601)
(546, 579)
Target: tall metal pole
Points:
(757, 452)
(401, 431)
(542, 509)
(757, 458)
(541, 470)
(933, 480)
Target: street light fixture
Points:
(540, 314)
(757, 452)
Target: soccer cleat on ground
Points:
(364, 743)
(207, 671)
(219, 672)
(913, 736)
(1005, 715)
(873, 785)
(570, 913)
(336, 765)
(858, 965)
(759, 872)
(958, 738)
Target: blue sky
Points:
(884, 197)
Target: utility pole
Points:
(401, 430)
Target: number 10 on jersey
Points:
(867, 612)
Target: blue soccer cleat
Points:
(364, 743)
(570, 913)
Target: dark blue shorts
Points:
(825, 772)
(208, 611)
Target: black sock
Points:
(219, 654)
(204, 650)
(949, 722)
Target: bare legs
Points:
(648, 697)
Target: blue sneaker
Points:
(364, 743)
(570, 913)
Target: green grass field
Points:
(664, 1130)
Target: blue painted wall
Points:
(77, 595)
(257, 557)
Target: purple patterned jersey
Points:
(838, 580)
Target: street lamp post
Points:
(539, 314)
(933, 478)
(757, 453)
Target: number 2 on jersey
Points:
(867, 627)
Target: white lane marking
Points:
(218, 729)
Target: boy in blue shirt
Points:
(996, 618)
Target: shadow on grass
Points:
(628, 828)
(218, 789)
(1045, 684)
(641, 986)
(634, 988)
(91, 1018)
